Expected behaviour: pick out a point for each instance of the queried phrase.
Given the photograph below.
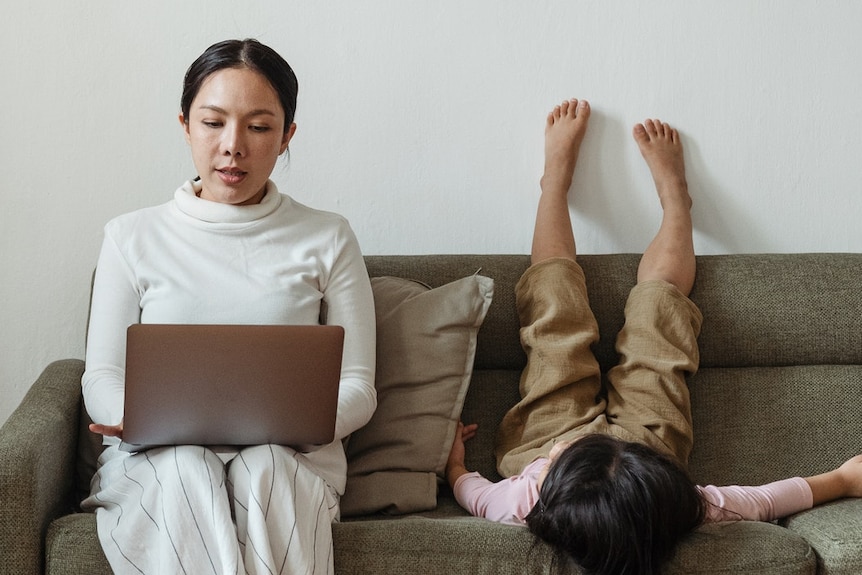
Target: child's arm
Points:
(845, 481)
(506, 501)
(783, 498)
(455, 464)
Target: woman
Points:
(229, 248)
(601, 476)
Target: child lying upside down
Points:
(602, 478)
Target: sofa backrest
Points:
(781, 354)
(778, 390)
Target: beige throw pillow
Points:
(426, 343)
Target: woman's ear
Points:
(185, 126)
(285, 140)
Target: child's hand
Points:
(455, 464)
(462, 434)
(851, 474)
(841, 482)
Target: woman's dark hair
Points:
(615, 506)
(248, 53)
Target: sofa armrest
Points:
(38, 445)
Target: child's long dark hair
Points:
(615, 507)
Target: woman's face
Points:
(236, 131)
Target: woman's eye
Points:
(211, 124)
(259, 128)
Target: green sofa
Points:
(778, 394)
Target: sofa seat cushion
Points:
(468, 545)
(833, 531)
(425, 546)
(419, 545)
(460, 544)
(749, 547)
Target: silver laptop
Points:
(231, 384)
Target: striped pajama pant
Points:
(186, 509)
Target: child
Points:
(601, 477)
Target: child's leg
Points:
(561, 382)
(564, 132)
(647, 391)
(670, 256)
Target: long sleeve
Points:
(761, 503)
(115, 306)
(507, 501)
(350, 303)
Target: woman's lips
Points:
(231, 176)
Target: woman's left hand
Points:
(108, 430)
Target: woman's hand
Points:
(108, 430)
(455, 464)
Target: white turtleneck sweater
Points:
(196, 261)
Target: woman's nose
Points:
(232, 142)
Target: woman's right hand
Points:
(108, 430)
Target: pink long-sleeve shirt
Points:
(510, 500)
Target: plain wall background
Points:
(422, 123)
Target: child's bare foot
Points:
(670, 256)
(661, 147)
(564, 132)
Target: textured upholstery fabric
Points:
(777, 395)
(426, 344)
(757, 424)
(73, 546)
(834, 531)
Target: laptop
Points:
(231, 384)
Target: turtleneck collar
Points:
(188, 202)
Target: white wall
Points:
(422, 123)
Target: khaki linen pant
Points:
(646, 399)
